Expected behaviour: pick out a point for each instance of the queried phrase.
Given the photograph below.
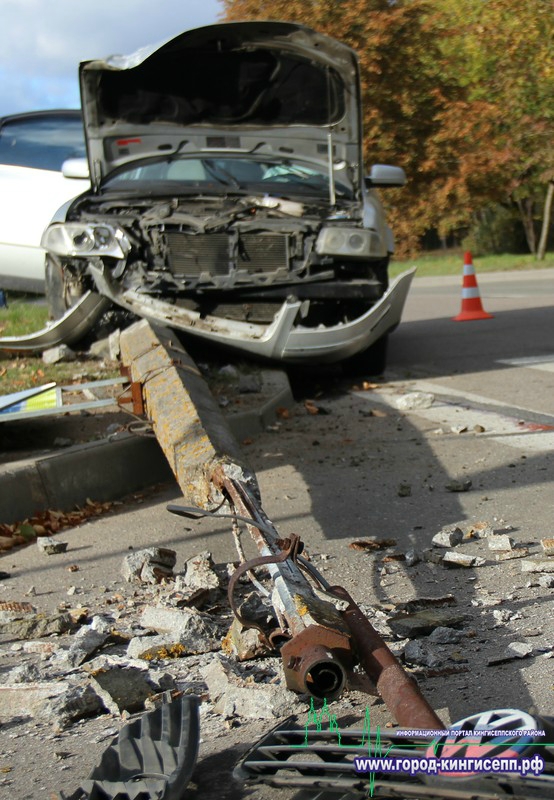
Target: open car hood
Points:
(274, 89)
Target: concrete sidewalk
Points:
(112, 468)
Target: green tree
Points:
(404, 89)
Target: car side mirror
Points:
(76, 168)
(385, 175)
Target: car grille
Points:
(218, 253)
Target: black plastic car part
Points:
(152, 758)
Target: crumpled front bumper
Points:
(284, 339)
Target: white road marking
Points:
(456, 410)
(544, 363)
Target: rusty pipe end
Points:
(313, 670)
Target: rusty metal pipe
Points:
(398, 690)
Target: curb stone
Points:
(112, 468)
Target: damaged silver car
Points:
(229, 198)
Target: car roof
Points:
(73, 113)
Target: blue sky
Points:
(43, 41)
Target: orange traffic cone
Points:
(471, 299)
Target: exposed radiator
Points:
(218, 253)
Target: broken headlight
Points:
(75, 239)
(351, 242)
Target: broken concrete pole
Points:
(188, 424)
(448, 537)
(151, 565)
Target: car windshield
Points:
(41, 142)
(235, 174)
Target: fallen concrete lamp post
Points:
(321, 633)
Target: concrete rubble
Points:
(151, 565)
(50, 546)
(170, 629)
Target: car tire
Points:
(61, 294)
(372, 361)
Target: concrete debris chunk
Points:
(151, 565)
(480, 530)
(243, 643)
(458, 486)
(74, 703)
(13, 610)
(546, 581)
(424, 622)
(431, 556)
(187, 596)
(443, 635)
(193, 630)
(415, 400)
(23, 673)
(199, 572)
(456, 559)
(416, 653)
(121, 686)
(537, 565)
(502, 616)
(39, 625)
(509, 555)
(500, 542)
(236, 696)
(548, 546)
(513, 651)
(448, 537)
(419, 603)
(85, 643)
(156, 648)
(27, 699)
(60, 353)
(50, 546)
(412, 557)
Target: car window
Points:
(232, 173)
(41, 142)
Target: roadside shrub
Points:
(496, 229)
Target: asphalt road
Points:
(336, 477)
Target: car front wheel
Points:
(371, 361)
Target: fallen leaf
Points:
(372, 544)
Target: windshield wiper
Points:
(220, 174)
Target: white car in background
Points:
(33, 148)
